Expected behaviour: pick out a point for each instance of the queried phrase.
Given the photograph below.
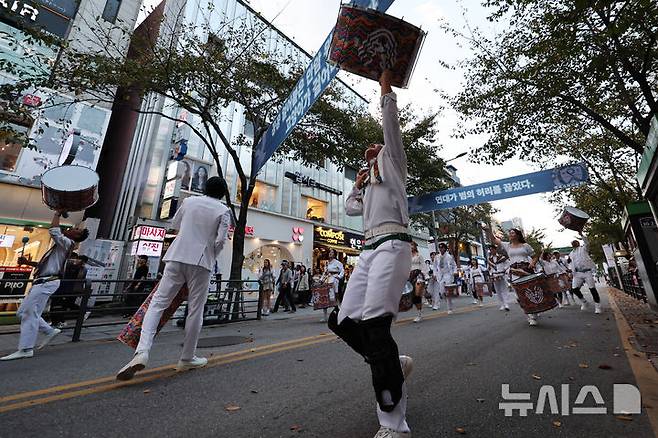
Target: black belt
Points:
(42, 280)
(583, 270)
(398, 236)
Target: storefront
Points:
(647, 174)
(348, 246)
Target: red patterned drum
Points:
(322, 297)
(573, 219)
(553, 283)
(534, 293)
(451, 290)
(565, 281)
(132, 331)
(366, 42)
(69, 188)
(483, 289)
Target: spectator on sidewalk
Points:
(303, 287)
(284, 283)
(47, 275)
(266, 278)
(63, 301)
(135, 292)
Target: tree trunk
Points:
(235, 285)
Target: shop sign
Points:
(170, 188)
(249, 231)
(149, 248)
(298, 178)
(298, 234)
(645, 222)
(52, 16)
(337, 237)
(31, 100)
(17, 277)
(6, 240)
(150, 233)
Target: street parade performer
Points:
(202, 223)
(583, 270)
(47, 275)
(373, 293)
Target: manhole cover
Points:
(223, 341)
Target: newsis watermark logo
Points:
(626, 400)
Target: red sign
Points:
(248, 230)
(31, 100)
(150, 233)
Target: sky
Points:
(308, 22)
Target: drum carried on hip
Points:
(484, 289)
(322, 296)
(573, 219)
(69, 188)
(366, 42)
(534, 293)
(406, 300)
(451, 290)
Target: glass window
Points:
(316, 210)
(248, 129)
(92, 119)
(263, 197)
(10, 147)
(111, 10)
(350, 173)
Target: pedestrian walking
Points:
(476, 281)
(303, 287)
(47, 274)
(284, 284)
(266, 279)
(202, 223)
(373, 294)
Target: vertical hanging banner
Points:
(527, 184)
(316, 78)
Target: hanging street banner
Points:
(316, 78)
(528, 184)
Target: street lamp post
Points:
(433, 228)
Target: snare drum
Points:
(366, 42)
(451, 290)
(534, 293)
(565, 281)
(553, 283)
(573, 219)
(69, 188)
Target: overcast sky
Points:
(309, 21)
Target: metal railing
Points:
(632, 285)
(230, 301)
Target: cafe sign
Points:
(338, 238)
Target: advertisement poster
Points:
(104, 262)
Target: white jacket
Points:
(580, 258)
(202, 223)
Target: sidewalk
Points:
(9, 340)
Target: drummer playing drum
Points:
(47, 275)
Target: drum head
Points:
(576, 212)
(527, 278)
(69, 178)
(408, 288)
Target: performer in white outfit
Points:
(373, 293)
(583, 273)
(563, 269)
(550, 266)
(202, 223)
(432, 284)
(333, 273)
(445, 269)
(499, 264)
(47, 277)
(520, 257)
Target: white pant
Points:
(435, 291)
(374, 289)
(502, 290)
(30, 312)
(582, 277)
(175, 275)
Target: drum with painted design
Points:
(366, 42)
(534, 293)
(484, 289)
(69, 188)
(451, 290)
(406, 300)
(573, 219)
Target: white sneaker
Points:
(449, 312)
(385, 432)
(566, 302)
(435, 307)
(597, 308)
(559, 305)
(506, 308)
(407, 364)
(49, 338)
(583, 306)
(481, 304)
(138, 363)
(20, 354)
(195, 362)
(475, 301)
(501, 308)
(418, 318)
(532, 321)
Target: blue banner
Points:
(316, 78)
(528, 184)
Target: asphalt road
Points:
(295, 379)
